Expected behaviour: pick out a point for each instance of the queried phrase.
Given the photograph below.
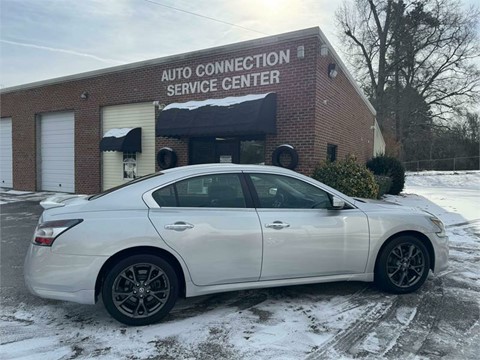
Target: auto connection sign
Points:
(258, 67)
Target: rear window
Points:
(137, 180)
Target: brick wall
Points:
(342, 117)
(303, 120)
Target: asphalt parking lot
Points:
(325, 321)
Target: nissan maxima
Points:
(205, 229)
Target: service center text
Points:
(260, 76)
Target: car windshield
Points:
(134, 181)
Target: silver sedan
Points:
(204, 229)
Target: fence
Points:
(457, 163)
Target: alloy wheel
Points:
(141, 290)
(405, 265)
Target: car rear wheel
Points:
(403, 265)
(140, 290)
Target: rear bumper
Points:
(62, 277)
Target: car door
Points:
(211, 223)
(302, 236)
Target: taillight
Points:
(47, 232)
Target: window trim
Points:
(152, 204)
(251, 204)
(256, 198)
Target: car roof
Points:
(190, 169)
(132, 193)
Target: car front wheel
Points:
(140, 290)
(403, 265)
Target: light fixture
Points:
(324, 50)
(84, 95)
(301, 52)
(332, 71)
(159, 105)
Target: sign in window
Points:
(129, 166)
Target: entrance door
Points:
(227, 151)
(238, 150)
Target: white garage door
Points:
(57, 152)
(128, 116)
(6, 179)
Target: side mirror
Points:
(337, 203)
(272, 191)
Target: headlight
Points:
(439, 224)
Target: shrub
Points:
(347, 176)
(392, 167)
(384, 184)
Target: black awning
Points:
(242, 115)
(125, 140)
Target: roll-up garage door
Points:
(141, 115)
(6, 179)
(57, 152)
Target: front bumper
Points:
(61, 277)
(440, 247)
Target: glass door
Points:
(227, 151)
(236, 150)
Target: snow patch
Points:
(118, 133)
(463, 180)
(228, 101)
(17, 192)
(405, 314)
(371, 343)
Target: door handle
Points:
(179, 226)
(277, 225)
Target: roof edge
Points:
(349, 76)
(292, 35)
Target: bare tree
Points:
(415, 48)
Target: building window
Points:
(331, 152)
(252, 152)
(237, 150)
(129, 166)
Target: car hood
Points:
(376, 205)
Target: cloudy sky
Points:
(42, 39)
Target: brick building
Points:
(270, 99)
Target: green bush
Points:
(348, 177)
(389, 166)
(384, 184)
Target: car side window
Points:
(165, 197)
(283, 192)
(222, 191)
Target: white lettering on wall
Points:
(259, 62)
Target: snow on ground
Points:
(455, 195)
(324, 321)
(8, 196)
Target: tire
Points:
(166, 158)
(287, 150)
(403, 265)
(136, 296)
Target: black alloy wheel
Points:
(403, 265)
(140, 290)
